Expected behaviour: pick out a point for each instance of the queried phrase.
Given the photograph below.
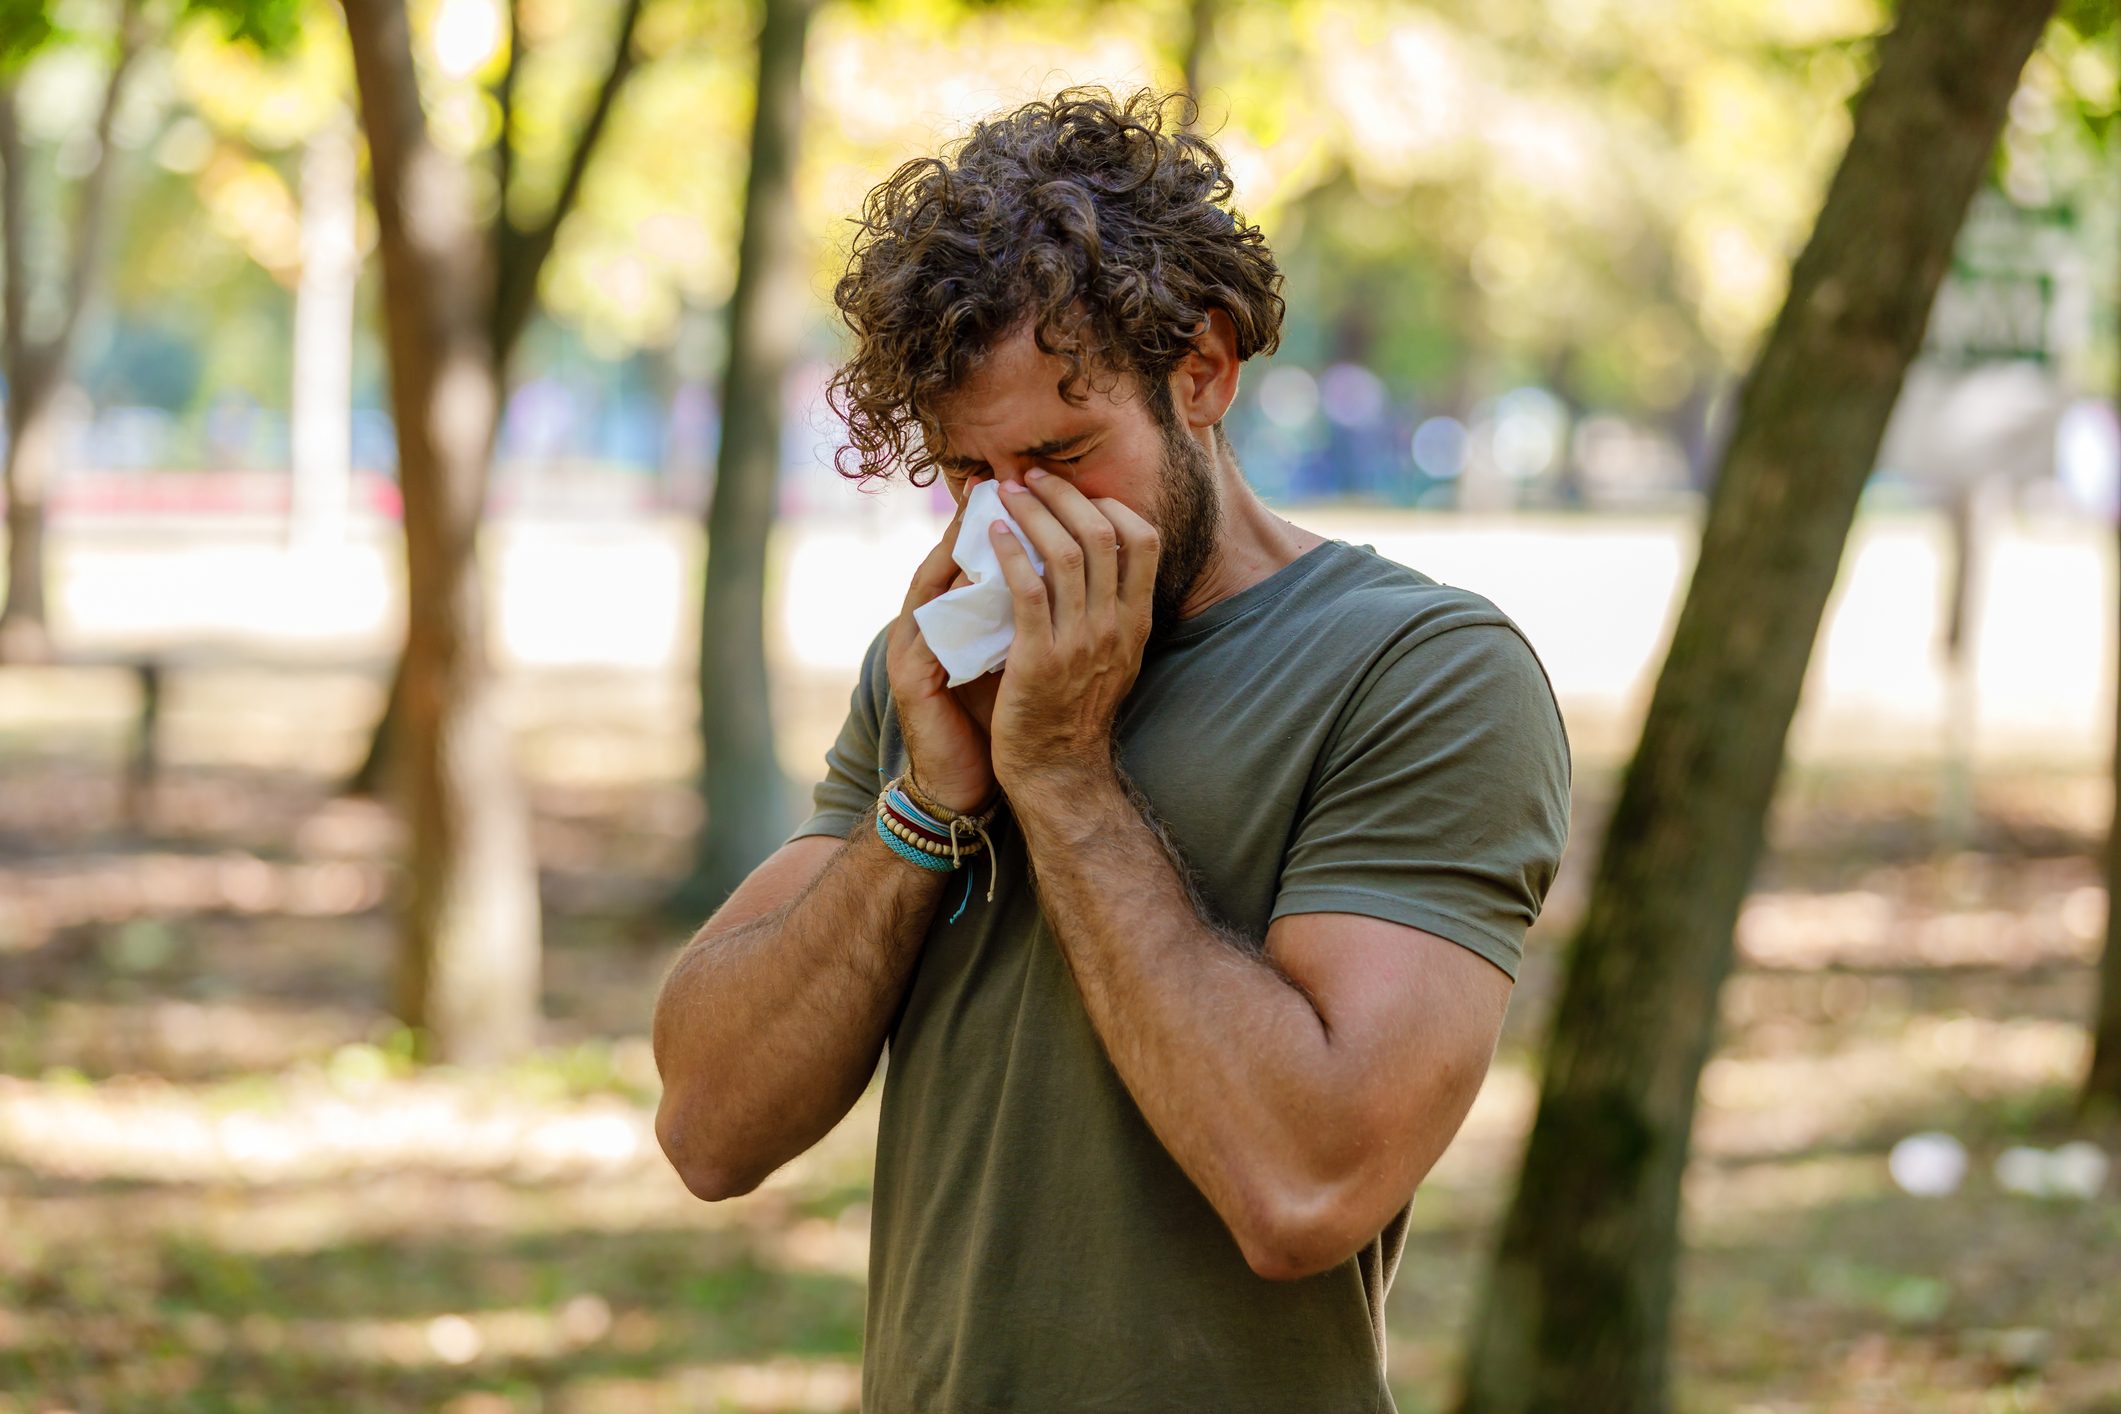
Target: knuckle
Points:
(1071, 558)
(1103, 536)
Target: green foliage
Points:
(270, 25)
(28, 27)
(25, 27)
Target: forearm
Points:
(1228, 1059)
(769, 1025)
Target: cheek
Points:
(1131, 489)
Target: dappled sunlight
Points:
(1746, 1103)
(174, 1038)
(39, 900)
(318, 1126)
(222, 1176)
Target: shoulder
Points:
(1396, 612)
(1439, 651)
(1364, 590)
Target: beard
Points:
(1188, 520)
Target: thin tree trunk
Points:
(35, 366)
(746, 794)
(22, 623)
(1577, 1308)
(468, 974)
(25, 636)
(1200, 38)
(2102, 1083)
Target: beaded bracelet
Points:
(930, 835)
(919, 858)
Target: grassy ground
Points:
(222, 1187)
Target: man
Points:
(1273, 817)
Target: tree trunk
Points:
(745, 793)
(468, 974)
(518, 260)
(1576, 1312)
(2102, 1083)
(22, 625)
(368, 777)
(24, 633)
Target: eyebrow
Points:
(1052, 446)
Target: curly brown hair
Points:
(1081, 215)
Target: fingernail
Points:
(1016, 487)
(1034, 475)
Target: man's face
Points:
(1009, 417)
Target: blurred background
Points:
(1531, 248)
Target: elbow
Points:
(708, 1176)
(1291, 1251)
(1303, 1231)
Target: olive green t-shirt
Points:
(1345, 736)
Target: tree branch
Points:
(522, 254)
(95, 184)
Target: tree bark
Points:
(745, 793)
(1577, 1308)
(468, 965)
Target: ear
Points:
(1204, 383)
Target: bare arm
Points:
(1306, 1087)
(773, 1017)
(771, 1021)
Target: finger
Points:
(1064, 558)
(1027, 592)
(936, 571)
(1089, 529)
(1139, 549)
(909, 657)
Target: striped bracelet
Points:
(928, 834)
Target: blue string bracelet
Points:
(919, 858)
(934, 837)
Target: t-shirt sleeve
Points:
(843, 796)
(1443, 800)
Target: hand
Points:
(947, 748)
(1079, 630)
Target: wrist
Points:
(957, 797)
(1069, 801)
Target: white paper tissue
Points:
(970, 628)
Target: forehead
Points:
(1012, 396)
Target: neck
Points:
(1252, 542)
